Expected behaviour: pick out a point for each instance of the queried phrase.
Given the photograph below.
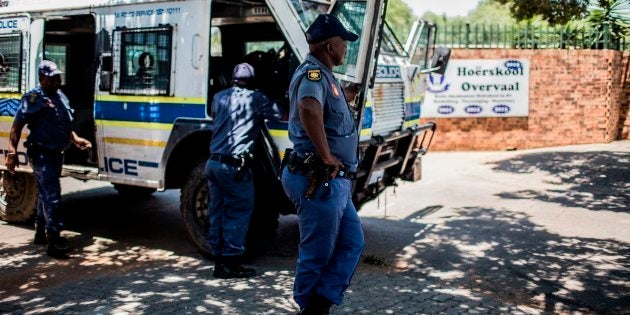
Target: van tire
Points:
(18, 197)
(194, 207)
(135, 192)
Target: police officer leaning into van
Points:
(46, 111)
(324, 137)
(239, 113)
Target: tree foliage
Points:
(554, 11)
(399, 18)
(611, 16)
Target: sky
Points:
(450, 7)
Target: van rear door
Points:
(363, 18)
(20, 42)
(420, 42)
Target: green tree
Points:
(399, 18)
(554, 11)
(610, 17)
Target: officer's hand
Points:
(82, 143)
(332, 161)
(11, 161)
(351, 91)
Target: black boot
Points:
(228, 267)
(40, 235)
(317, 305)
(57, 246)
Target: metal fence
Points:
(529, 37)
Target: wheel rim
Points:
(12, 189)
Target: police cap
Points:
(243, 71)
(328, 26)
(48, 68)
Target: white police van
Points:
(140, 76)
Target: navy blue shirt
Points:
(239, 114)
(313, 79)
(48, 117)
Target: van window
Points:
(216, 50)
(143, 58)
(58, 54)
(308, 10)
(421, 53)
(10, 62)
(390, 43)
(263, 46)
(351, 15)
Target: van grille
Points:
(388, 108)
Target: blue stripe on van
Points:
(165, 113)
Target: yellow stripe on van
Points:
(139, 142)
(278, 133)
(11, 95)
(131, 124)
(152, 99)
(6, 118)
(366, 132)
(6, 135)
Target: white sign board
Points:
(479, 88)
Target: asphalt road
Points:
(534, 231)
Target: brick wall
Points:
(575, 97)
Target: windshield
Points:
(390, 43)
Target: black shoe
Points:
(40, 238)
(225, 271)
(317, 305)
(40, 234)
(57, 246)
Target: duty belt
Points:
(229, 160)
(297, 163)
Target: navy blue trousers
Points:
(230, 205)
(331, 238)
(47, 169)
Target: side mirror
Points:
(440, 59)
(106, 72)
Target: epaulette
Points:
(314, 74)
(32, 97)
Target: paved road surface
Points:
(535, 231)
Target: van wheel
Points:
(194, 207)
(136, 192)
(18, 197)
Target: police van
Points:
(140, 76)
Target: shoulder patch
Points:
(314, 74)
(32, 97)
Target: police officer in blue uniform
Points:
(46, 111)
(322, 129)
(239, 114)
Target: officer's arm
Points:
(81, 143)
(312, 118)
(11, 161)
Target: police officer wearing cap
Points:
(46, 111)
(239, 114)
(320, 123)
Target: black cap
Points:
(328, 26)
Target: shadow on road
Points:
(506, 255)
(597, 180)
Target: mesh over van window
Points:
(351, 14)
(10, 62)
(421, 53)
(143, 60)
